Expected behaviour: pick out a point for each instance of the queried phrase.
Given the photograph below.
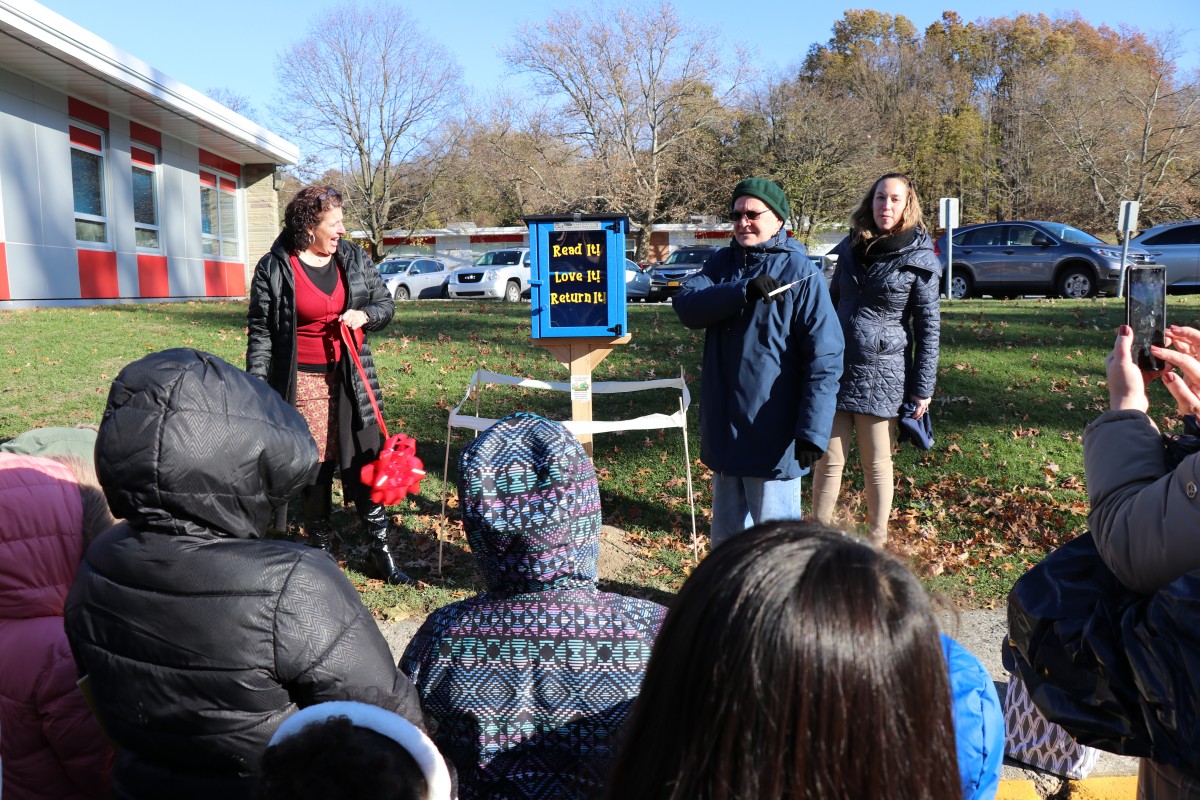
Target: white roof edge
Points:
(103, 58)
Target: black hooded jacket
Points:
(198, 636)
(271, 320)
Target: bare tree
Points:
(234, 101)
(369, 94)
(636, 84)
(1129, 129)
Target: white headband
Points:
(385, 723)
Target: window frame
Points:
(220, 183)
(101, 152)
(155, 178)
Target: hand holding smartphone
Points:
(1146, 313)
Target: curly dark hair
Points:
(304, 212)
(334, 760)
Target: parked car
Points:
(498, 275)
(681, 264)
(1175, 245)
(407, 278)
(637, 282)
(1006, 259)
(827, 264)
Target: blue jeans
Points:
(741, 503)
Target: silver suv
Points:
(498, 275)
(1175, 245)
(1008, 259)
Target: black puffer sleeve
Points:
(327, 646)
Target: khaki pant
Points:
(876, 436)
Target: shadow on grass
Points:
(652, 593)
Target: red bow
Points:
(396, 473)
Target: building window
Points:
(218, 215)
(145, 198)
(87, 182)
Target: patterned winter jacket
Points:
(530, 681)
(891, 317)
(51, 744)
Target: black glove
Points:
(761, 286)
(807, 454)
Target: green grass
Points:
(1018, 382)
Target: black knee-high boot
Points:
(316, 503)
(379, 556)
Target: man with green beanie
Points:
(772, 363)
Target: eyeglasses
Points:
(736, 216)
(329, 192)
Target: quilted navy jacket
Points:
(771, 370)
(891, 317)
(197, 635)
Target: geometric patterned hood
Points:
(531, 506)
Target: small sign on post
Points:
(1127, 220)
(948, 219)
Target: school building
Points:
(117, 183)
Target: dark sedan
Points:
(667, 277)
(1007, 259)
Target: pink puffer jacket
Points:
(50, 744)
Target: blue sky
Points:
(234, 43)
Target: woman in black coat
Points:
(886, 291)
(305, 289)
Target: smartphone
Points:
(1146, 312)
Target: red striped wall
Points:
(4, 295)
(98, 274)
(87, 112)
(224, 279)
(220, 162)
(152, 276)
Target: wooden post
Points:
(580, 356)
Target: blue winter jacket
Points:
(771, 370)
(978, 722)
(891, 317)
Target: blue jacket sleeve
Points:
(978, 722)
(703, 301)
(820, 333)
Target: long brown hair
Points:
(794, 663)
(862, 218)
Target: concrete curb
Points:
(1111, 788)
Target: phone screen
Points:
(1146, 312)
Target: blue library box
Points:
(578, 275)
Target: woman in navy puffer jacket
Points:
(886, 291)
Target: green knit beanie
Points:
(764, 190)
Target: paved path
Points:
(981, 632)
